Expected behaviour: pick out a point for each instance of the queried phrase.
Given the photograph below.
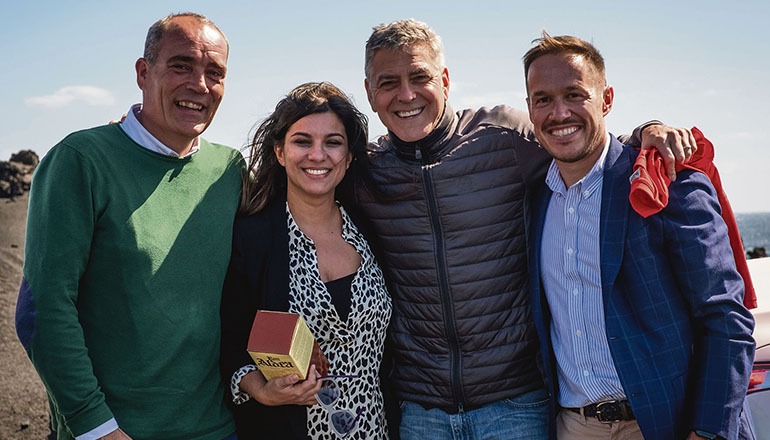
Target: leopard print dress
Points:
(354, 346)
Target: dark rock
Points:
(26, 157)
(757, 252)
(16, 174)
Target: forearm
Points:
(253, 384)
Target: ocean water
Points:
(755, 229)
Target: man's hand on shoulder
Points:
(676, 145)
(118, 121)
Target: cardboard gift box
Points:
(280, 344)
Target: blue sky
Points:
(70, 65)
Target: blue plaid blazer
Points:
(677, 329)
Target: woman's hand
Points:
(287, 390)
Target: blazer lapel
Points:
(539, 207)
(276, 294)
(613, 221)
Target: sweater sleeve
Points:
(60, 226)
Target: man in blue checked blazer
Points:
(642, 327)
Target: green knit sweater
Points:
(126, 254)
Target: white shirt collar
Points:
(136, 131)
(556, 184)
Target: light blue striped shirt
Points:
(571, 277)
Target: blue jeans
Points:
(523, 417)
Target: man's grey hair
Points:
(159, 28)
(403, 34)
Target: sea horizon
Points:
(755, 229)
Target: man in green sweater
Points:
(128, 239)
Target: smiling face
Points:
(408, 90)
(182, 89)
(315, 154)
(567, 102)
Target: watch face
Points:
(706, 434)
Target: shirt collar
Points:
(348, 233)
(588, 183)
(136, 131)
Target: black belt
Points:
(607, 412)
